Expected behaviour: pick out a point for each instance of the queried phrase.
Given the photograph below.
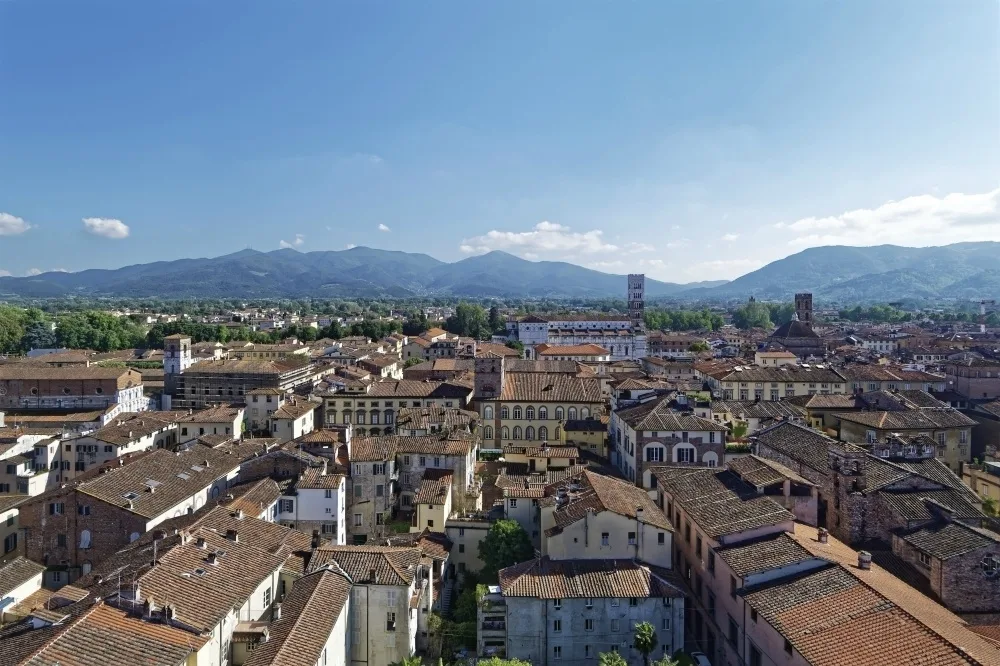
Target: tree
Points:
(990, 507)
(410, 362)
(698, 347)
(409, 661)
(506, 543)
(497, 661)
(665, 661)
(469, 320)
(38, 335)
(11, 328)
(645, 640)
(752, 315)
(611, 659)
(497, 323)
(516, 344)
(416, 325)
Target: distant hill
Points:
(358, 272)
(881, 273)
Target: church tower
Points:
(636, 299)
(804, 309)
(176, 359)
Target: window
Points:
(605, 539)
(423, 461)
(557, 604)
(755, 656)
(287, 505)
(615, 603)
(10, 543)
(631, 538)
(358, 490)
(488, 412)
(711, 561)
(61, 540)
(732, 586)
(543, 413)
(109, 449)
(697, 546)
(56, 508)
(753, 614)
(390, 621)
(559, 413)
(529, 433)
(556, 625)
(685, 454)
(588, 625)
(586, 651)
(666, 624)
(963, 436)
(85, 539)
(557, 652)
(379, 490)
(267, 596)
(461, 547)
(517, 432)
(529, 412)
(941, 438)
(924, 559)
(615, 626)
(590, 602)
(734, 631)
(661, 538)
(488, 432)
(328, 494)
(512, 502)
(633, 601)
(654, 454)
(504, 413)
(357, 520)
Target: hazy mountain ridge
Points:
(835, 273)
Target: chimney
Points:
(315, 540)
(168, 614)
(233, 536)
(864, 559)
(239, 514)
(822, 535)
(276, 613)
(373, 574)
(212, 559)
(148, 607)
(201, 542)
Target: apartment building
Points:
(224, 420)
(775, 383)
(295, 418)
(454, 451)
(863, 378)
(652, 433)
(27, 386)
(974, 377)
(373, 487)
(376, 404)
(127, 434)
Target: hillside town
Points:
(572, 487)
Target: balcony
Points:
(494, 626)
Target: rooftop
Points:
(567, 579)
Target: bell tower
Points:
(804, 309)
(490, 376)
(636, 299)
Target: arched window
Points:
(543, 433)
(571, 414)
(584, 412)
(347, 417)
(488, 432)
(711, 459)
(558, 432)
(504, 433)
(360, 416)
(517, 412)
(559, 413)
(529, 433)
(389, 417)
(84, 538)
(517, 432)
(504, 413)
(529, 412)
(488, 412)
(374, 416)
(543, 413)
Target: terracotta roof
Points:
(759, 471)
(160, 480)
(591, 491)
(483, 348)
(571, 350)
(441, 444)
(105, 636)
(821, 401)
(390, 565)
(541, 451)
(315, 479)
(218, 414)
(934, 617)
(30, 372)
(541, 387)
(249, 366)
(422, 418)
(919, 419)
(309, 613)
(253, 497)
(656, 415)
(762, 409)
(567, 579)
(783, 374)
(798, 442)
(773, 551)
(431, 544)
(719, 501)
(409, 388)
(17, 572)
(546, 366)
(294, 408)
(945, 540)
(373, 449)
(433, 490)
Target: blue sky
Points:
(692, 140)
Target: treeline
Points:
(878, 314)
(373, 329)
(763, 315)
(683, 320)
(23, 330)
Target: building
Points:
(266, 351)
(530, 407)
(750, 414)
(797, 336)
(432, 502)
(373, 487)
(775, 383)
(773, 359)
(866, 378)
(588, 353)
(652, 433)
(983, 479)
(208, 383)
(19, 578)
(26, 386)
(219, 420)
(376, 404)
(974, 377)
(948, 429)
(261, 404)
(177, 358)
(590, 434)
(453, 451)
(391, 595)
(72, 528)
(127, 434)
(293, 419)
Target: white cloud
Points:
(635, 248)
(12, 225)
(545, 237)
(729, 238)
(59, 270)
(530, 256)
(34, 271)
(4, 273)
(350, 246)
(106, 227)
(298, 242)
(914, 221)
(382, 227)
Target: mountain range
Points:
(835, 274)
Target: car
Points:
(700, 659)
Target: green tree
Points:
(506, 543)
(516, 344)
(990, 507)
(38, 335)
(99, 331)
(416, 325)
(497, 661)
(752, 315)
(496, 320)
(611, 659)
(698, 347)
(469, 320)
(665, 661)
(645, 640)
(11, 328)
(409, 661)
(410, 362)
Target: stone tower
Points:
(490, 376)
(176, 359)
(804, 309)
(636, 298)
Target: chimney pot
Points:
(277, 611)
(201, 542)
(233, 535)
(212, 559)
(823, 535)
(864, 559)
